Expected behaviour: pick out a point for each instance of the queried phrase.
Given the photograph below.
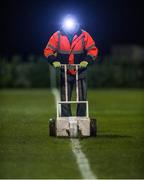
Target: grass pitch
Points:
(26, 150)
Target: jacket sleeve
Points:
(51, 48)
(91, 49)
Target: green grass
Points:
(26, 150)
(118, 151)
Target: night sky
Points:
(27, 25)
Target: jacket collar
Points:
(78, 33)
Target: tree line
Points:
(33, 71)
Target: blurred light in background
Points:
(70, 24)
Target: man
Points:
(72, 46)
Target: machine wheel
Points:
(93, 128)
(52, 127)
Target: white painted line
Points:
(82, 160)
(56, 95)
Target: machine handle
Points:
(76, 67)
(70, 66)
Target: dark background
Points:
(115, 25)
(27, 24)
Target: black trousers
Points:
(81, 107)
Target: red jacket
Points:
(82, 48)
